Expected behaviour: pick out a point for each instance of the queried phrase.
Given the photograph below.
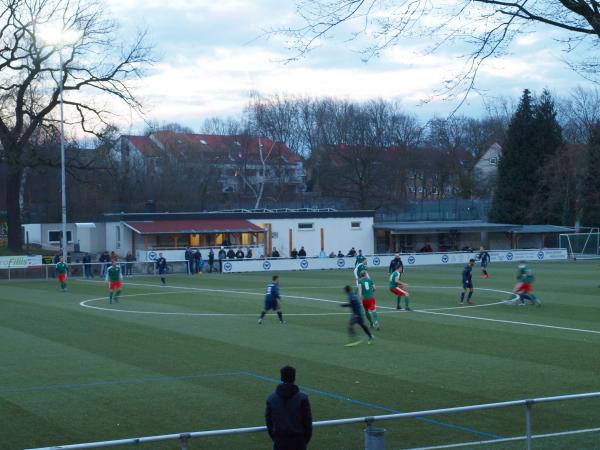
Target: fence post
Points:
(528, 412)
(374, 437)
(184, 438)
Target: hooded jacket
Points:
(288, 413)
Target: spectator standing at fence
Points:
(129, 266)
(249, 253)
(230, 254)
(104, 259)
(288, 415)
(197, 261)
(239, 254)
(189, 257)
(87, 266)
(161, 266)
(275, 253)
(221, 255)
(302, 252)
(294, 253)
(211, 260)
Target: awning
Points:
(442, 227)
(193, 226)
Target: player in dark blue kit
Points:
(272, 300)
(467, 282)
(484, 258)
(161, 265)
(356, 318)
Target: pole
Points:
(63, 183)
(529, 407)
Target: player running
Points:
(524, 286)
(398, 288)
(61, 273)
(467, 282)
(484, 258)
(272, 300)
(114, 276)
(366, 293)
(161, 265)
(359, 258)
(356, 318)
(361, 267)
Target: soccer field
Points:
(191, 356)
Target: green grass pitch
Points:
(72, 374)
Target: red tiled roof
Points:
(193, 226)
(224, 143)
(143, 144)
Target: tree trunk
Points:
(13, 188)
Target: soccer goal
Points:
(582, 245)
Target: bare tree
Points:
(488, 27)
(31, 76)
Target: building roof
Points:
(144, 144)
(192, 226)
(543, 229)
(442, 227)
(266, 214)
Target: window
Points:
(54, 237)
(355, 225)
(306, 226)
(411, 189)
(493, 161)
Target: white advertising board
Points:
(12, 262)
(413, 259)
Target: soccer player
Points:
(467, 282)
(359, 258)
(114, 276)
(484, 258)
(272, 300)
(61, 273)
(399, 290)
(161, 265)
(524, 286)
(366, 293)
(356, 318)
(361, 267)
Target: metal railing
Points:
(374, 437)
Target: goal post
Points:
(581, 245)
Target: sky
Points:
(211, 54)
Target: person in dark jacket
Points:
(302, 252)
(275, 253)
(239, 254)
(197, 261)
(189, 256)
(87, 265)
(396, 265)
(161, 266)
(356, 317)
(484, 258)
(230, 254)
(294, 253)
(288, 415)
(221, 255)
(211, 260)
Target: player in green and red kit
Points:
(366, 293)
(61, 273)
(524, 286)
(361, 267)
(398, 288)
(359, 258)
(114, 276)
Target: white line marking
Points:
(511, 322)
(184, 290)
(499, 441)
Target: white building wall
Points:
(35, 233)
(338, 234)
(118, 238)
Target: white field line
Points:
(499, 441)
(184, 290)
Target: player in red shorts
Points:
(366, 292)
(61, 273)
(524, 286)
(115, 281)
(399, 290)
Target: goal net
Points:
(582, 245)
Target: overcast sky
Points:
(212, 54)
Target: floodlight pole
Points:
(63, 183)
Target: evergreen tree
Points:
(591, 190)
(516, 169)
(547, 204)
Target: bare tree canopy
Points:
(36, 36)
(487, 27)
